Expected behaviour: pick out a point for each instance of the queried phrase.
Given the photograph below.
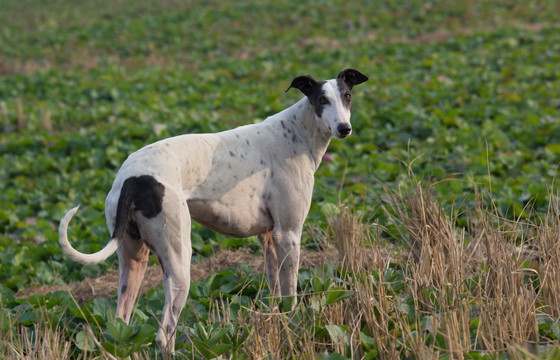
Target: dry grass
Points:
(481, 284)
(479, 291)
(41, 342)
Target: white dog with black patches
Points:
(253, 180)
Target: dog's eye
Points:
(323, 100)
(347, 96)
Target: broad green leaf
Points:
(367, 341)
(209, 351)
(338, 333)
(218, 335)
(555, 148)
(113, 349)
(103, 308)
(337, 294)
(83, 342)
(119, 330)
(317, 284)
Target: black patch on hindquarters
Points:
(123, 289)
(132, 230)
(146, 193)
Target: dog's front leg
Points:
(271, 262)
(287, 251)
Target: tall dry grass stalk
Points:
(374, 305)
(39, 342)
(46, 120)
(21, 118)
(480, 277)
(548, 257)
(5, 117)
(348, 232)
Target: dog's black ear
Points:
(303, 83)
(352, 77)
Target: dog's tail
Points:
(74, 254)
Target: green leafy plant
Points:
(462, 94)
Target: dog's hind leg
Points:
(271, 262)
(133, 259)
(168, 235)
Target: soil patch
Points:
(106, 285)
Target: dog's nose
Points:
(344, 129)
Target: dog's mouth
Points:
(343, 136)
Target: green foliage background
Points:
(460, 90)
(464, 91)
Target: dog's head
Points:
(331, 99)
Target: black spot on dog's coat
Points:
(132, 230)
(146, 193)
(147, 196)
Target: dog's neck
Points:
(309, 127)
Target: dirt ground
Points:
(106, 285)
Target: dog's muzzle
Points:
(344, 130)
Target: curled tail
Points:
(144, 191)
(74, 254)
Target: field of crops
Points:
(436, 223)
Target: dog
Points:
(253, 180)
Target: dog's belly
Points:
(242, 219)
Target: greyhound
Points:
(253, 180)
